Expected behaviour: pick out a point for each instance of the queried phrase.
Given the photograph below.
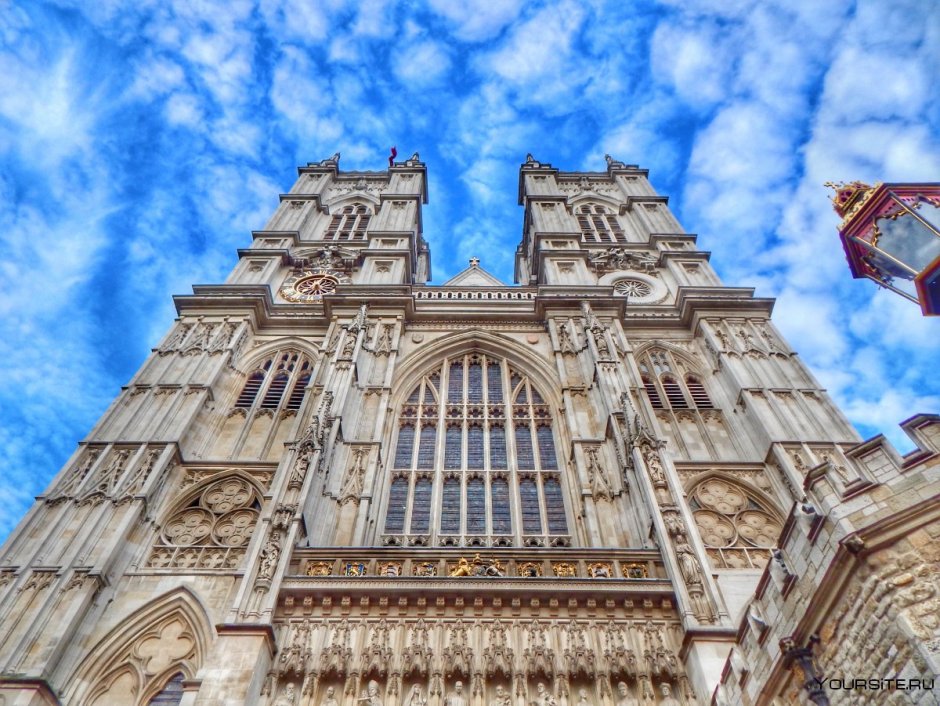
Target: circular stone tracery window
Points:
(632, 288)
(310, 286)
(638, 288)
(317, 285)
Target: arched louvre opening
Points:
(665, 386)
(267, 385)
(697, 391)
(350, 223)
(475, 460)
(599, 225)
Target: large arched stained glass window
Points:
(475, 461)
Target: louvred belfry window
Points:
(267, 385)
(350, 223)
(664, 386)
(599, 225)
(484, 468)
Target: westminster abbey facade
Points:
(333, 484)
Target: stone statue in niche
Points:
(668, 699)
(269, 556)
(543, 696)
(329, 698)
(288, 697)
(688, 564)
(603, 350)
(625, 699)
(349, 345)
(502, 698)
(370, 697)
(456, 697)
(583, 698)
(415, 697)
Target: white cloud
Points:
(537, 49)
(694, 61)
(865, 85)
(477, 20)
(156, 77)
(296, 19)
(374, 19)
(421, 64)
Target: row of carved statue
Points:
(577, 649)
(560, 693)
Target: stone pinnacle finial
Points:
(474, 262)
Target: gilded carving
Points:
(424, 568)
(529, 568)
(476, 567)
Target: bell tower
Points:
(335, 484)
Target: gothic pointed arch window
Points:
(475, 461)
(350, 223)
(665, 385)
(280, 380)
(598, 224)
(738, 527)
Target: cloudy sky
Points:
(140, 143)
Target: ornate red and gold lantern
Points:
(891, 234)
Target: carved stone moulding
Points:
(451, 565)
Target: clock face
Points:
(310, 285)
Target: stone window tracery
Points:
(267, 385)
(212, 529)
(349, 224)
(171, 695)
(599, 225)
(666, 388)
(491, 485)
(737, 527)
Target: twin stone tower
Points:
(334, 484)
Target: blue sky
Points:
(140, 143)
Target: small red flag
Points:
(391, 157)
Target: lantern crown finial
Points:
(845, 194)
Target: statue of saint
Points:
(543, 696)
(502, 698)
(624, 694)
(668, 699)
(415, 697)
(287, 698)
(456, 697)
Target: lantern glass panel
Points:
(930, 213)
(908, 239)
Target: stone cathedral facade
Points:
(333, 484)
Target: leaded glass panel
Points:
(397, 504)
(450, 506)
(475, 447)
(554, 507)
(476, 506)
(421, 506)
(529, 499)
